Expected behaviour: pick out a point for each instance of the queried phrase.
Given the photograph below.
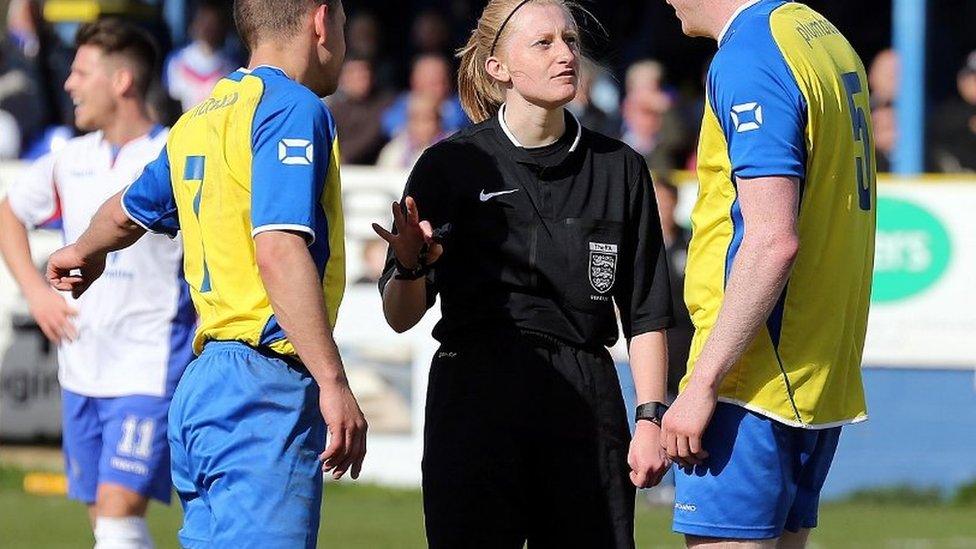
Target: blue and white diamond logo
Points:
(295, 152)
(747, 117)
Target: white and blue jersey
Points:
(136, 322)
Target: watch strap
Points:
(651, 411)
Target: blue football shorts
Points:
(117, 440)
(246, 434)
(761, 477)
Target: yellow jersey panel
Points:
(787, 96)
(261, 154)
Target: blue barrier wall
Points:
(921, 431)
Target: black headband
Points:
(505, 22)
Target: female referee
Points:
(531, 228)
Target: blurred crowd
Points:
(388, 114)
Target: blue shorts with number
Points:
(245, 434)
(117, 440)
(760, 478)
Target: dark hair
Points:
(116, 37)
(259, 19)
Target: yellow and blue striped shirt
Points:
(260, 154)
(788, 96)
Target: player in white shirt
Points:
(124, 344)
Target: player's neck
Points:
(532, 125)
(130, 123)
(287, 57)
(725, 12)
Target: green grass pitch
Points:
(364, 516)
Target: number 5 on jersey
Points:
(862, 134)
(193, 172)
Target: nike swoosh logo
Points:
(485, 197)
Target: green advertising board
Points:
(913, 250)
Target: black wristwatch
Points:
(651, 411)
(419, 271)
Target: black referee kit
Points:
(526, 435)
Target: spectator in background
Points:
(644, 77)
(430, 34)
(883, 78)
(676, 239)
(954, 125)
(363, 36)
(358, 108)
(364, 41)
(650, 131)
(429, 77)
(650, 124)
(589, 114)
(192, 72)
(21, 101)
(884, 127)
(32, 69)
(424, 128)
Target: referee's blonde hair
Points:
(480, 94)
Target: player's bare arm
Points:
(404, 301)
(649, 367)
(295, 289)
(110, 230)
(51, 312)
(759, 273)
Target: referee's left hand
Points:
(648, 461)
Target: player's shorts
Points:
(760, 478)
(245, 434)
(117, 440)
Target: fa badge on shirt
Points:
(603, 266)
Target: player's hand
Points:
(411, 235)
(52, 313)
(61, 264)
(647, 459)
(347, 431)
(684, 424)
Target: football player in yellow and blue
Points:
(778, 275)
(250, 178)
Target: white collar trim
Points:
(246, 70)
(515, 141)
(735, 14)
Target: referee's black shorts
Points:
(526, 439)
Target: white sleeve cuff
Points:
(286, 227)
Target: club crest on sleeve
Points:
(747, 117)
(603, 266)
(295, 152)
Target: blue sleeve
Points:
(149, 200)
(761, 110)
(292, 144)
(395, 116)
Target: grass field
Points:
(363, 516)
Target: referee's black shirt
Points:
(542, 239)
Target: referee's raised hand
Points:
(411, 235)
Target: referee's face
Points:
(541, 57)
